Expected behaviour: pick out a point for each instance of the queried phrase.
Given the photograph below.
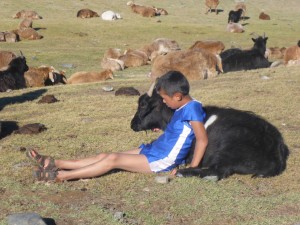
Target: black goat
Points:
(238, 141)
(236, 59)
(13, 77)
(235, 16)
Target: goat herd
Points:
(202, 60)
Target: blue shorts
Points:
(156, 163)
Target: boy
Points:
(164, 154)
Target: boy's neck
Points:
(185, 99)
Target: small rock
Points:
(265, 77)
(68, 65)
(119, 215)
(87, 120)
(25, 219)
(107, 88)
(162, 179)
(146, 189)
(211, 178)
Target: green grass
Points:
(88, 120)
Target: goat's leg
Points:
(196, 172)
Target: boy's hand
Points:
(173, 172)
(155, 129)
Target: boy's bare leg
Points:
(78, 163)
(128, 162)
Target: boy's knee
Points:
(101, 155)
(112, 157)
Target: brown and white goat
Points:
(28, 34)
(38, 76)
(112, 64)
(159, 46)
(25, 23)
(194, 64)
(214, 47)
(211, 4)
(273, 53)
(8, 36)
(113, 53)
(134, 58)
(264, 16)
(30, 14)
(292, 53)
(89, 77)
(161, 11)
(87, 13)
(5, 59)
(234, 27)
(145, 11)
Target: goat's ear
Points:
(254, 40)
(266, 38)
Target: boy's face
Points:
(172, 102)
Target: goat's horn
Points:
(264, 34)
(21, 53)
(150, 92)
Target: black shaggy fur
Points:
(237, 60)
(238, 141)
(13, 77)
(235, 16)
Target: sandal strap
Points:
(45, 175)
(39, 160)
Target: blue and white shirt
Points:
(172, 147)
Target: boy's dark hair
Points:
(172, 82)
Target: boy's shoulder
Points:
(194, 103)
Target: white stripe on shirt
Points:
(170, 159)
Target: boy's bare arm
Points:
(201, 142)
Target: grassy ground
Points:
(88, 120)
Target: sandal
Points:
(40, 160)
(45, 175)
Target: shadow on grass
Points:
(39, 28)
(218, 11)
(245, 24)
(30, 96)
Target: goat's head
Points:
(152, 112)
(19, 63)
(260, 43)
